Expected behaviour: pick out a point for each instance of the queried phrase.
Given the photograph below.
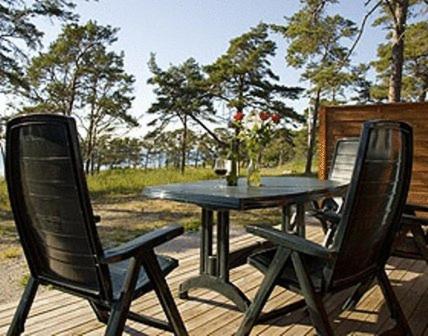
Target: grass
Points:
(131, 181)
(192, 224)
(4, 199)
(10, 252)
(295, 167)
(24, 280)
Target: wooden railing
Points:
(345, 121)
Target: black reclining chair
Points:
(361, 245)
(56, 226)
(342, 166)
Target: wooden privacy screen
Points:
(345, 121)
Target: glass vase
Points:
(253, 173)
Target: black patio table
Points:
(214, 196)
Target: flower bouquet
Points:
(255, 130)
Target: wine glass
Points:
(220, 166)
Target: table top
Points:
(274, 191)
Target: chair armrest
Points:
(292, 242)
(410, 207)
(413, 220)
(330, 216)
(140, 244)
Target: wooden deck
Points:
(207, 313)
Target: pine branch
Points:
(361, 30)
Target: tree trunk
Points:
(91, 129)
(183, 145)
(89, 147)
(398, 10)
(280, 160)
(73, 95)
(312, 131)
(146, 159)
(196, 161)
(92, 169)
(3, 152)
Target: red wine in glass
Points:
(220, 167)
(220, 171)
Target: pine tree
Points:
(415, 65)
(315, 45)
(179, 96)
(79, 76)
(242, 76)
(19, 32)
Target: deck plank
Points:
(208, 313)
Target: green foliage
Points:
(363, 87)
(119, 152)
(180, 97)
(394, 16)
(316, 44)
(128, 181)
(79, 76)
(243, 78)
(388, 12)
(79, 72)
(280, 149)
(415, 66)
(19, 31)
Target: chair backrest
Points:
(374, 202)
(345, 154)
(51, 207)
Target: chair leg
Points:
(324, 226)
(393, 304)
(18, 322)
(357, 294)
(119, 314)
(163, 293)
(420, 241)
(313, 300)
(101, 313)
(253, 312)
(329, 235)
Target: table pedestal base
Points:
(227, 289)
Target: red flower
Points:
(238, 116)
(276, 118)
(264, 115)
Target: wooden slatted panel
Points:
(56, 313)
(346, 121)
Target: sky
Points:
(178, 29)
